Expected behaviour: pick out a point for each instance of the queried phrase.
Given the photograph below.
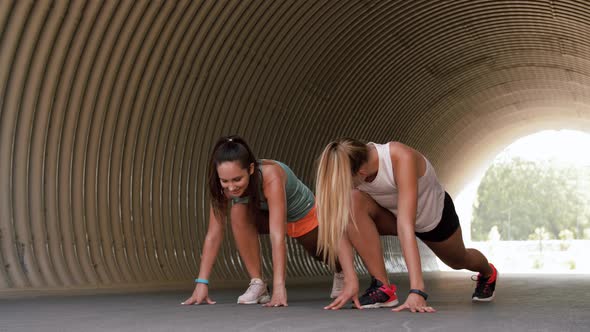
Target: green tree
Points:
(519, 196)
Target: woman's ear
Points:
(251, 169)
(362, 170)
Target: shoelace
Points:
(369, 291)
(482, 284)
(372, 288)
(253, 287)
(374, 295)
(338, 286)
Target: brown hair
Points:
(232, 148)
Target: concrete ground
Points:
(523, 303)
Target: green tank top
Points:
(300, 199)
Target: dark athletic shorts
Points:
(447, 226)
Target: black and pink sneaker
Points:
(486, 287)
(378, 296)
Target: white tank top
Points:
(383, 190)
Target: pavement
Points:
(524, 302)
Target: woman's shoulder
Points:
(399, 147)
(400, 151)
(271, 169)
(396, 145)
(391, 145)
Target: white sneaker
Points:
(337, 285)
(256, 293)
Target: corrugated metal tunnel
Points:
(108, 111)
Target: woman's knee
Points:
(239, 216)
(242, 219)
(358, 197)
(366, 211)
(360, 203)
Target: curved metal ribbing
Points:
(108, 111)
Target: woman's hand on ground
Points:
(414, 303)
(350, 291)
(279, 298)
(200, 295)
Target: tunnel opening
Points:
(528, 209)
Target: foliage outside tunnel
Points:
(532, 200)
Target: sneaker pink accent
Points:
(379, 296)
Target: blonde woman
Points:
(367, 190)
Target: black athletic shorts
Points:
(449, 222)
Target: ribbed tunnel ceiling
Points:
(108, 111)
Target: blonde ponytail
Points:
(334, 183)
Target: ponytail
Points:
(340, 160)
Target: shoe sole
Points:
(485, 299)
(380, 305)
(261, 300)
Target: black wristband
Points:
(419, 292)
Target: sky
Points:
(564, 145)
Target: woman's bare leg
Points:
(371, 220)
(246, 237)
(453, 253)
(309, 242)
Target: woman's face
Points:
(362, 176)
(234, 179)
